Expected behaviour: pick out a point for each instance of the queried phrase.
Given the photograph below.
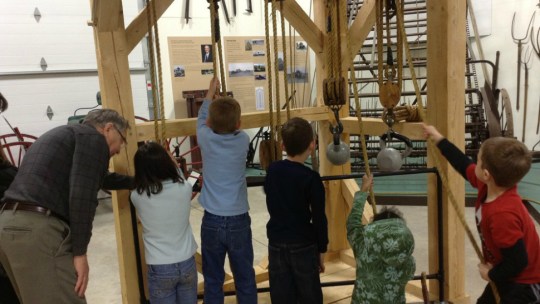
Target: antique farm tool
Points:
(520, 42)
(526, 60)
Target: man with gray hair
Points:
(47, 213)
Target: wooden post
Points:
(446, 98)
(336, 207)
(115, 86)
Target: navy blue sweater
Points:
(295, 200)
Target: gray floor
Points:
(104, 286)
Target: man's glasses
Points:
(121, 135)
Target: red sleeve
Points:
(506, 229)
(471, 176)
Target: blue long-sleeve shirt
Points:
(224, 190)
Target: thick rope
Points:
(216, 43)
(436, 157)
(213, 17)
(160, 77)
(360, 123)
(378, 18)
(273, 151)
(276, 71)
(152, 69)
(285, 81)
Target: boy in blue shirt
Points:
(226, 225)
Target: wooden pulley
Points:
(265, 152)
(389, 94)
(334, 91)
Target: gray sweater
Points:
(167, 233)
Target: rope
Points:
(378, 18)
(285, 81)
(152, 69)
(213, 17)
(360, 123)
(216, 41)
(435, 156)
(276, 71)
(273, 151)
(160, 76)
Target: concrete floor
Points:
(104, 285)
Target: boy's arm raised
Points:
(455, 157)
(210, 95)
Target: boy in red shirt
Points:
(510, 242)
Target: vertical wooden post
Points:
(446, 98)
(115, 84)
(336, 206)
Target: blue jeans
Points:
(221, 235)
(173, 283)
(294, 273)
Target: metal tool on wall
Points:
(186, 12)
(535, 41)
(527, 66)
(520, 42)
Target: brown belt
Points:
(31, 208)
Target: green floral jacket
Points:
(383, 251)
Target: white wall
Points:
(172, 23)
(63, 38)
(501, 40)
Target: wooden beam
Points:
(115, 87)
(301, 22)
(188, 126)
(106, 14)
(138, 28)
(376, 127)
(358, 32)
(446, 34)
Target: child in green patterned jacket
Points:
(383, 251)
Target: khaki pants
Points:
(35, 250)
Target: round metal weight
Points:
(389, 159)
(338, 154)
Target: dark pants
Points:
(7, 293)
(227, 235)
(294, 273)
(512, 293)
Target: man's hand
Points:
(321, 263)
(213, 89)
(484, 270)
(433, 133)
(80, 262)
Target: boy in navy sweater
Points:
(297, 229)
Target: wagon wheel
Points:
(507, 118)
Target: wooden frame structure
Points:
(446, 68)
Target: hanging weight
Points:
(390, 159)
